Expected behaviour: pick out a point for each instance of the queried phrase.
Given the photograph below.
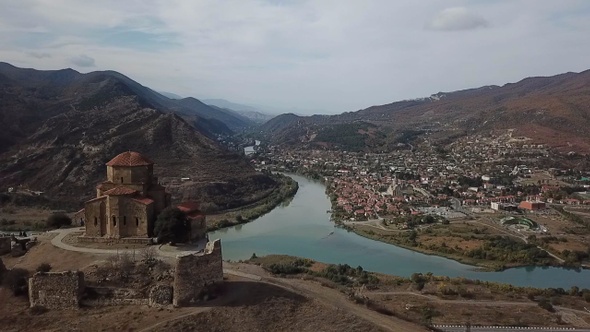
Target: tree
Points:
(57, 220)
(44, 267)
(543, 303)
(171, 226)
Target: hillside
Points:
(253, 114)
(552, 110)
(233, 120)
(58, 128)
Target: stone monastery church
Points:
(129, 201)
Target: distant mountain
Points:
(281, 122)
(169, 95)
(250, 112)
(191, 105)
(552, 110)
(59, 127)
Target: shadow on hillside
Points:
(247, 293)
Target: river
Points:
(303, 228)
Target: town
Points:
(477, 180)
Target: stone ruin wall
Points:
(196, 273)
(113, 296)
(158, 296)
(56, 290)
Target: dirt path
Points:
(336, 299)
(477, 302)
(58, 242)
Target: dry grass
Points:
(451, 242)
(45, 252)
(263, 307)
(72, 239)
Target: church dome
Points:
(130, 158)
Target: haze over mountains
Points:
(59, 127)
(254, 114)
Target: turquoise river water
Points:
(303, 228)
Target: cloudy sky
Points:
(323, 56)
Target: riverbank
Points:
(479, 243)
(430, 299)
(481, 265)
(284, 192)
(303, 228)
(504, 246)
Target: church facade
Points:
(128, 202)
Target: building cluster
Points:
(472, 172)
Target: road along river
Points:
(303, 228)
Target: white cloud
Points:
(331, 54)
(40, 55)
(82, 60)
(457, 18)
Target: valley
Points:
(447, 209)
(455, 201)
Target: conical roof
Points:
(130, 158)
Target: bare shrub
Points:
(126, 265)
(37, 310)
(149, 256)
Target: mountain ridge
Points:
(59, 128)
(554, 110)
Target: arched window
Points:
(124, 220)
(136, 221)
(95, 221)
(114, 221)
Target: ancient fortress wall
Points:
(157, 296)
(112, 296)
(196, 274)
(56, 290)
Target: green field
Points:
(520, 221)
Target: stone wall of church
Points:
(130, 175)
(196, 275)
(95, 216)
(113, 213)
(56, 290)
(136, 218)
(119, 175)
